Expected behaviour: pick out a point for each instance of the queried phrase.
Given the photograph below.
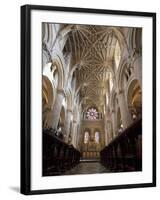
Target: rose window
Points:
(92, 114)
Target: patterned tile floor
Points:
(87, 168)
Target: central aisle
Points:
(87, 168)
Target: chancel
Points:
(91, 99)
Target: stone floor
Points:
(87, 168)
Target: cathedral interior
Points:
(91, 99)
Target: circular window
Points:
(92, 114)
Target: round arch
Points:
(58, 62)
(48, 91)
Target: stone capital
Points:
(69, 110)
(120, 92)
(61, 92)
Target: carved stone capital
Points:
(61, 92)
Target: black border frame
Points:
(25, 187)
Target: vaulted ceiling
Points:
(92, 49)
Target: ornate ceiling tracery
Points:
(92, 50)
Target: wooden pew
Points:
(124, 153)
(57, 155)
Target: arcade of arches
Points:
(92, 98)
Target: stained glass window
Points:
(92, 114)
(96, 137)
(86, 137)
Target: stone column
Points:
(79, 139)
(74, 132)
(78, 136)
(125, 115)
(54, 115)
(114, 123)
(67, 123)
(106, 132)
(106, 129)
